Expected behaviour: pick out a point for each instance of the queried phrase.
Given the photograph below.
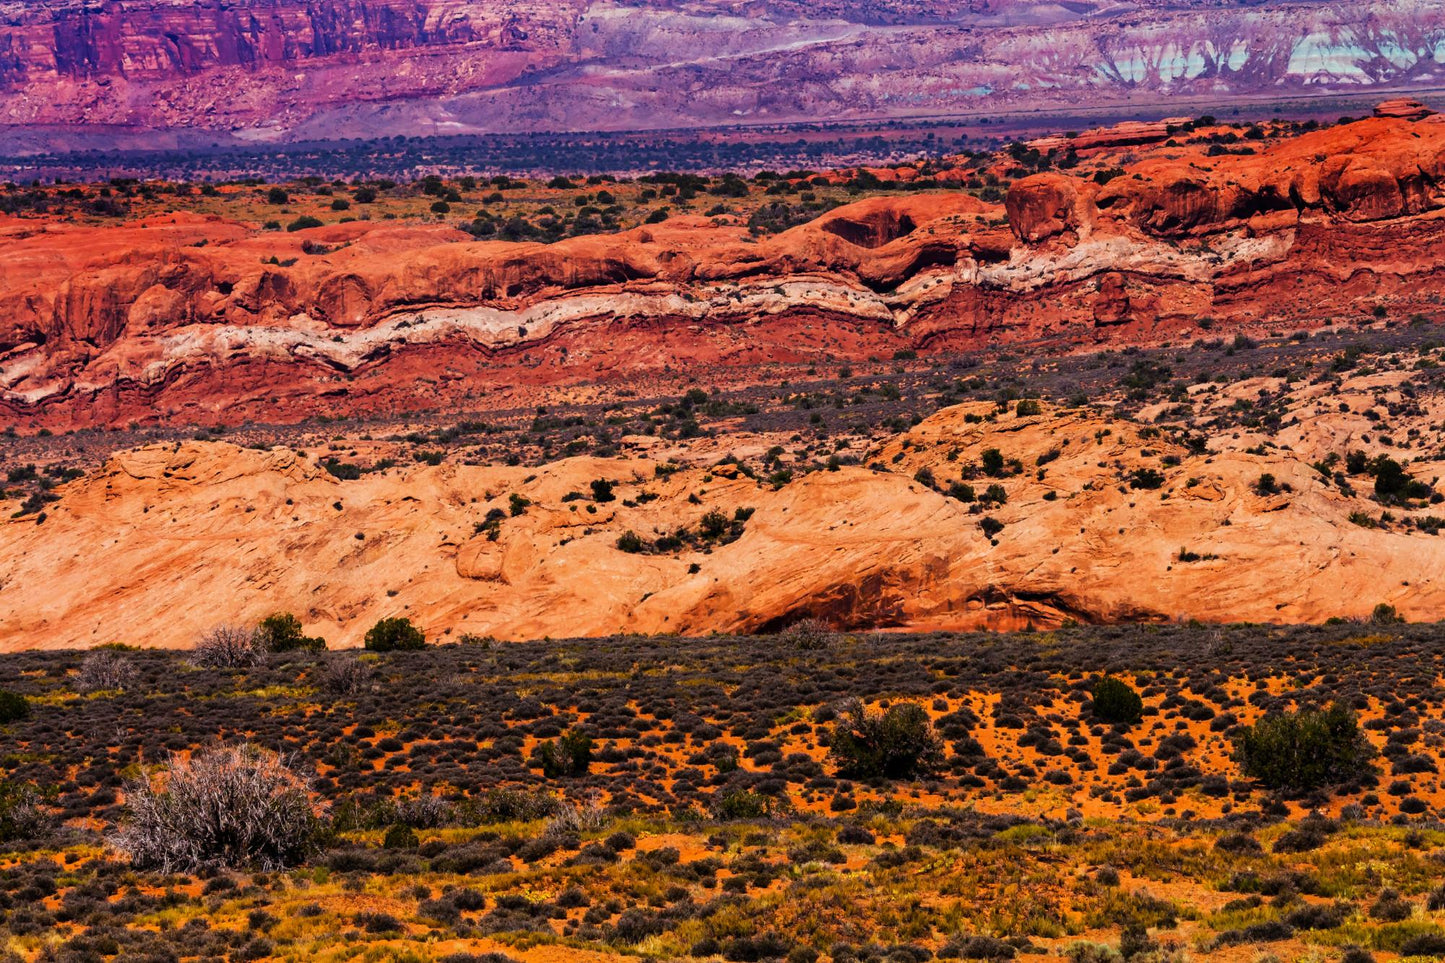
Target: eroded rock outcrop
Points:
(124, 554)
(188, 318)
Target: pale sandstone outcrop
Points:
(168, 540)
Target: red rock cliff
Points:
(99, 325)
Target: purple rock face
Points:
(345, 68)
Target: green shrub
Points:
(894, 744)
(629, 542)
(571, 755)
(400, 836)
(1304, 750)
(302, 223)
(1363, 519)
(1146, 479)
(13, 707)
(394, 635)
(341, 470)
(714, 524)
(1116, 701)
(281, 632)
(1385, 614)
(742, 804)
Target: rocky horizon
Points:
(82, 76)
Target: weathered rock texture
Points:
(71, 72)
(108, 325)
(166, 541)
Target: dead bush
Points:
(234, 806)
(105, 670)
(229, 647)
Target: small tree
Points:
(1301, 751)
(1116, 701)
(571, 755)
(228, 647)
(894, 744)
(1386, 614)
(281, 632)
(105, 670)
(235, 806)
(394, 635)
(13, 707)
(992, 462)
(602, 490)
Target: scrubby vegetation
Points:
(238, 807)
(394, 635)
(893, 744)
(1303, 750)
(878, 797)
(1115, 701)
(228, 647)
(281, 632)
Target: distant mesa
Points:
(1129, 133)
(76, 74)
(1404, 109)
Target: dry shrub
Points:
(229, 647)
(233, 806)
(105, 670)
(346, 676)
(582, 817)
(21, 817)
(808, 635)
